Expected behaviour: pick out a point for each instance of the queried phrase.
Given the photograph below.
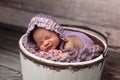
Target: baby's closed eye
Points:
(39, 43)
(47, 37)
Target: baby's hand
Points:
(55, 52)
(58, 52)
(63, 55)
(42, 53)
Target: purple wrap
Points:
(85, 39)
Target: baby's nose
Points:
(46, 43)
(46, 46)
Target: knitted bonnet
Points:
(46, 22)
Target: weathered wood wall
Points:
(101, 15)
(97, 12)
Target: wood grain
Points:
(97, 12)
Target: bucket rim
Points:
(55, 63)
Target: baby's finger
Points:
(42, 53)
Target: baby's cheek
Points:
(56, 43)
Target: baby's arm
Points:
(69, 44)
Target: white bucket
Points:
(36, 68)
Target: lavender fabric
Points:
(85, 39)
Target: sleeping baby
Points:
(47, 39)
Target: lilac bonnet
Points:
(47, 22)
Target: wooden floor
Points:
(10, 68)
(9, 54)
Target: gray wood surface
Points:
(9, 56)
(10, 68)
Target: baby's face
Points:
(46, 40)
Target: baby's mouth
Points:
(49, 47)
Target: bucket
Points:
(36, 68)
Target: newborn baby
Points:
(49, 40)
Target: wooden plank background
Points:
(101, 15)
(97, 12)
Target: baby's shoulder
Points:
(73, 42)
(69, 43)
